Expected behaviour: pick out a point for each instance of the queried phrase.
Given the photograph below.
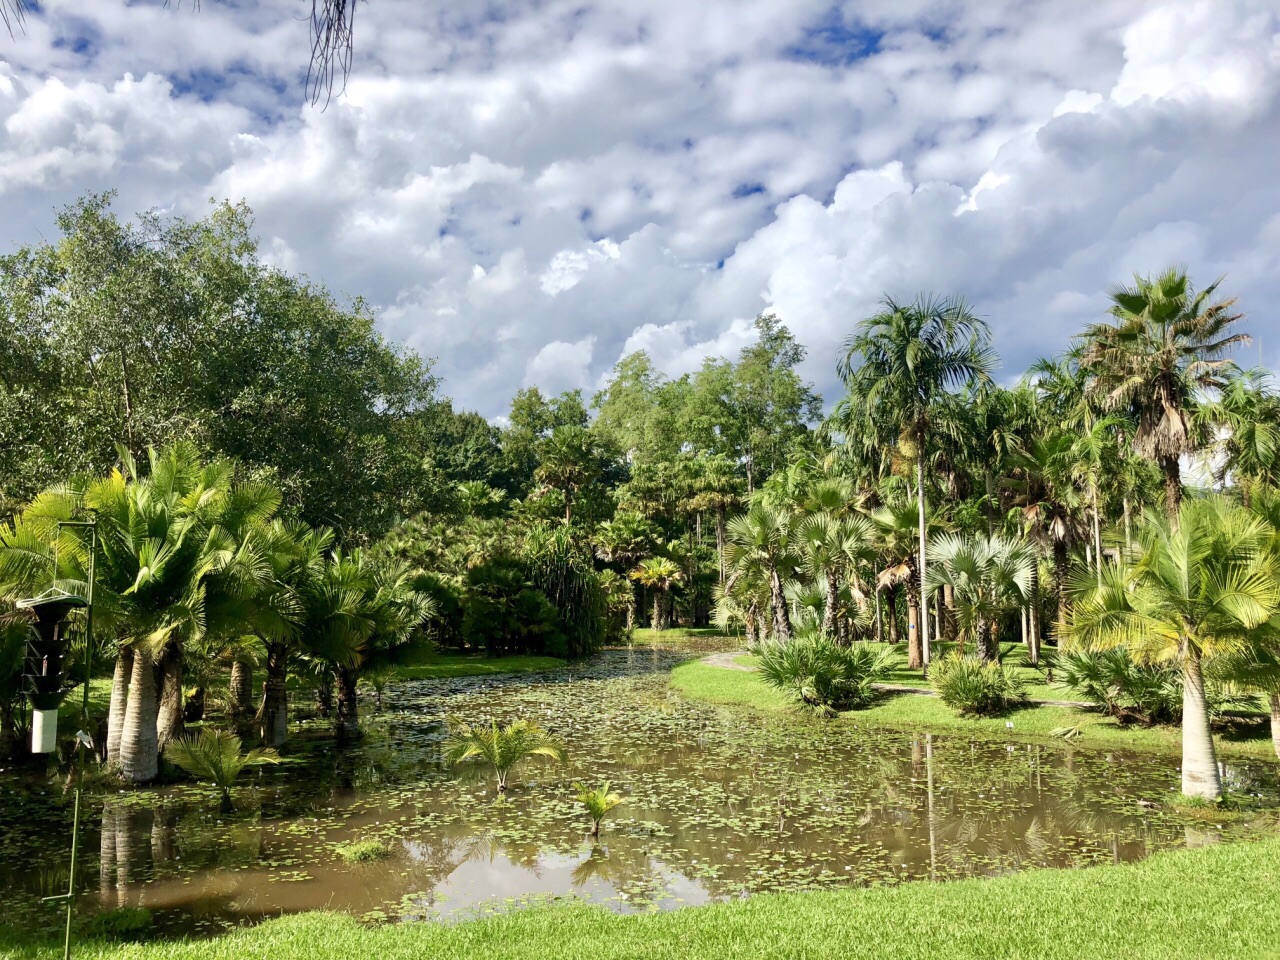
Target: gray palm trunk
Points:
(833, 596)
(119, 701)
(169, 724)
(1275, 721)
(781, 616)
(348, 711)
(241, 693)
(273, 717)
(915, 659)
(139, 741)
(924, 608)
(1200, 777)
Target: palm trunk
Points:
(1128, 527)
(657, 609)
(915, 659)
(1200, 776)
(119, 701)
(1033, 618)
(241, 693)
(1172, 488)
(169, 722)
(829, 613)
(348, 707)
(193, 709)
(1097, 535)
(720, 540)
(924, 607)
(891, 613)
(139, 741)
(1275, 722)
(1060, 587)
(324, 696)
(781, 615)
(947, 630)
(274, 715)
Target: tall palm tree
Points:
(1046, 493)
(1168, 345)
(1203, 586)
(989, 577)
(762, 541)
(897, 365)
(658, 574)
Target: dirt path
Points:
(727, 661)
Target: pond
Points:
(719, 805)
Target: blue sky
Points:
(529, 190)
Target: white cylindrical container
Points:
(44, 731)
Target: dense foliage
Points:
(820, 673)
(283, 494)
(980, 688)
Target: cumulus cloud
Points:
(530, 191)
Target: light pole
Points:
(44, 686)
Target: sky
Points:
(527, 191)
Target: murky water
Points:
(718, 806)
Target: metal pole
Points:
(83, 734)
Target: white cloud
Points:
(529, 191)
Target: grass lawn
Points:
(1218, 901)
(694, 637)
(435, 664)
(907, 711)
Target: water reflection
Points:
(719, 806)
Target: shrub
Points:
(363, 851)
(1147, 693)
(822, 674)
(123, 923)
(977, 687)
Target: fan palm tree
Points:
(357, 612)
(1168, 345)
(658, 574)
(896, 367)
(625, 540)
(834, 550)
(1250, 451)
(989, 577)
(217, 757)
(1201, 587)
(896, 531)
(762, 540)
(502, 747)
(598, 802)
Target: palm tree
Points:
(1250, 451)
(357, 612)
(834, 549)
(625, 540)
(896, 367)
(1046, 492)
(1166, 347)
(989, 576)
(762, 540)
(502, 747)
(658, 574)
(896, 531)
(1203, 585)
(598, 802)
(218, 757)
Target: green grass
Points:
(908, 711)
(433, 664)
(1219, 901)
(684, 636)
(363, 851)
